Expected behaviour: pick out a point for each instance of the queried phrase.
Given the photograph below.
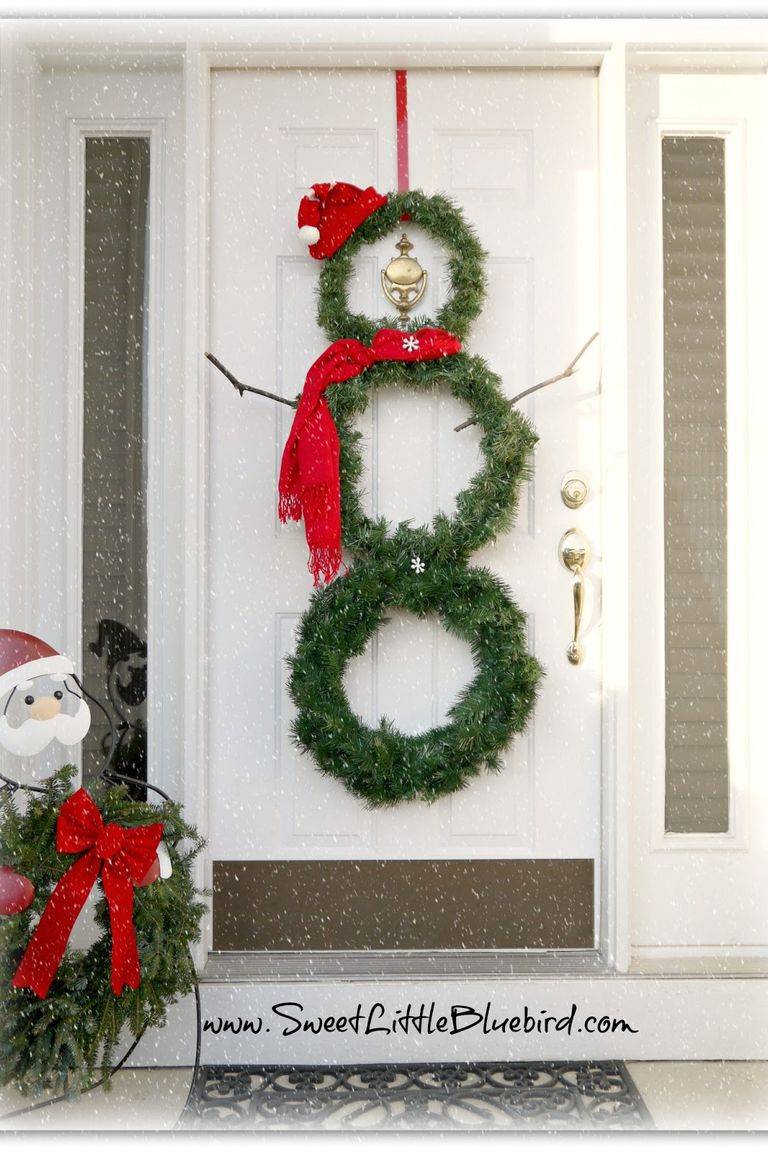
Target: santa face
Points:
(39, 711)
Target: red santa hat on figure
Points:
(39, 706)
(329, 216)
(22, 657)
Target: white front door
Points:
(517, 151)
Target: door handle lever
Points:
(573, 551)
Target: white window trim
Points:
(176, 396)
(153, 130)
(697, 872)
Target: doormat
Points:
(534, 1096)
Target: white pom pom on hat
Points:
(309, 234)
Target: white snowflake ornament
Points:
(418, 565)
(410, 344)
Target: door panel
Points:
(527, 181)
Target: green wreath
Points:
(486, 506)
(421, 569)
(466, 272)
(383, 765)
(61, 1042)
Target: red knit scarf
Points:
(309, 474)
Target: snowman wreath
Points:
(421, 569)
(62, 1010)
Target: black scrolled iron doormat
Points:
(483, 1097)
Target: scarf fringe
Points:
(289, 506)
(324, 563)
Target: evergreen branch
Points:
(56, 1044)
(381, 764)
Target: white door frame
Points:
(196, 49)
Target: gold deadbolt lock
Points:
(574, 490)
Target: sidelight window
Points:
(695, 484)
(114, 608)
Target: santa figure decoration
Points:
(42, 700)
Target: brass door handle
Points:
(573, 551)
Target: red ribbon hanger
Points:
(401, 111)
(121, 857)
(401, 103)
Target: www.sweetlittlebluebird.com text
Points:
(289, 1017)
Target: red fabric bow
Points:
(309, 473)
(122, 856)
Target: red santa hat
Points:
(22, 657)
(329, 216)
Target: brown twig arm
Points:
(243, 388)
(567, 371)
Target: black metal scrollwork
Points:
(125, 657)
(531, 1095)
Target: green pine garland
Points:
(466, 271)
(64, 1042)
(486, 507)
(383, 765)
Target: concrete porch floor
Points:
(695, 1095)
